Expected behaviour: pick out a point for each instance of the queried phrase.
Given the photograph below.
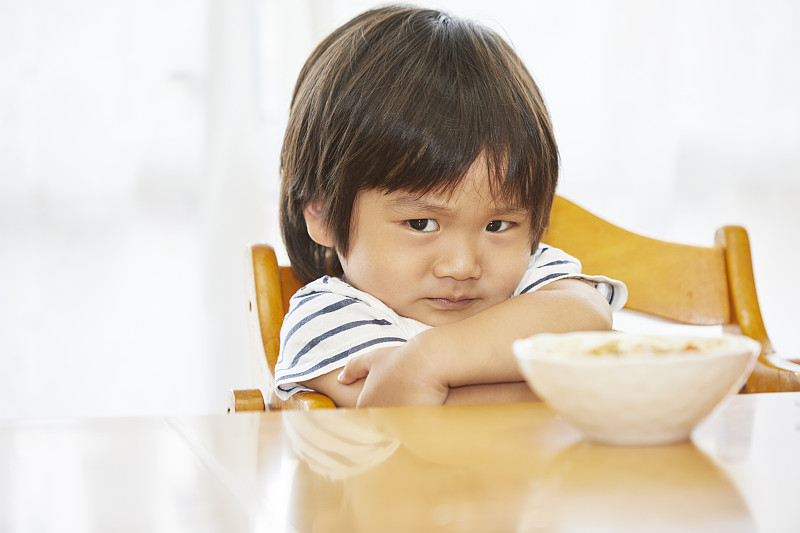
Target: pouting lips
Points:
(454, 304)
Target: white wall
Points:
(139, 145)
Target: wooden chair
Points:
(270, 286)
(679, 283)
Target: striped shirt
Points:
(330, 321)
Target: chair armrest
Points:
(772, 373)
(301, 401)
(240, 401)
(245, 400)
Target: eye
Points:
(423, 224)
(497, 225)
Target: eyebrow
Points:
(417, 203)
(424, 204)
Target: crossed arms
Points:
(468, 361)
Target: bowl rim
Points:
(522, 352)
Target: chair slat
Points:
(677, 282)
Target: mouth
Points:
(451, 304)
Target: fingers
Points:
(354, 369)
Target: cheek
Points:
(511, 271)
(373, 268)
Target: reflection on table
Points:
(478, 468)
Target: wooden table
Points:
(506, 468)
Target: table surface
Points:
(509, 468)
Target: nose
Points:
(460, 260)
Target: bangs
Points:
(428, 121)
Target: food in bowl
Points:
(635, 389)
(627, 345)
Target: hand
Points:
(404, 375)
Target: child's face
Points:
(438, 259)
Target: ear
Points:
(316, 226)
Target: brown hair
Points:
(402, 98)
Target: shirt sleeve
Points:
(549, 264)
(328, 322)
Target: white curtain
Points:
(139, 148)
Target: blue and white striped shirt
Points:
(330, 321)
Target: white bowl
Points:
(634, 389)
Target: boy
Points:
(418, 171)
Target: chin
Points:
(449, 317)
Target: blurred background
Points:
(139, 150)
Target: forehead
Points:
(480, 185)
(455, 201)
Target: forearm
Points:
(348, 395)
(491, 393)
(341, 394)
(478, 349)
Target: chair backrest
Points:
(271, 287)
(681, 283)
(697, 285)
(686, 284)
